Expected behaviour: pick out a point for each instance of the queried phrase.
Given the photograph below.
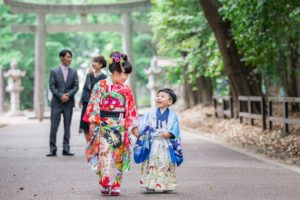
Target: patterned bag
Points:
(176, 151)
(141, 149)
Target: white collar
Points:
(97, 74)
(162, 110)
(64, 67)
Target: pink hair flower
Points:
(117, 60)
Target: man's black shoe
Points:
(67, 153)
(51, 154)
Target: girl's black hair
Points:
(119, 63)
(171, 93)
(64, 52)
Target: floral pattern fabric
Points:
(158, 172)
(108, 150)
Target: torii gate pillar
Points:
(40, 66)
(127, 47)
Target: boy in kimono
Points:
(159, 132)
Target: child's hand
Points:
(91, 71)
(135, 132)
(166, 135)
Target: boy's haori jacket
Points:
(148, 127)
(172, 125)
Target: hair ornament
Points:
(122, 61)
(110, 60)
(117, 57)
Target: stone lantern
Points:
(153, 85)
(154, 71)
(14, 87)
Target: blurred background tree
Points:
(223, 47)
(82, 44)
(181, 31)
(250, 46)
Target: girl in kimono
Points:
(112, 115)
(159, 133)
(91, 79)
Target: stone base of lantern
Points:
(14, 114)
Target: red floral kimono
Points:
(108, 151)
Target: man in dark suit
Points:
(63, 84)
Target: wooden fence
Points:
(250, 114)
(263, 112)
(226, 109)
(284, 120)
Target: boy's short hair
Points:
(170, 92)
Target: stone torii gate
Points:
(41, 29)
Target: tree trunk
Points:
(189, 98)
(292, 90)
(205, 90)
(240, 80)
(187, 93)
(291, 86)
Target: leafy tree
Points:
(21, 46)
(267, 34)
(182, 32)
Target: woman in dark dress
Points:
(91, 79)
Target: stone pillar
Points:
(153, 73)
(83, 18)
(127, 47)
(14, 87)
(1, 91)
(40, 66)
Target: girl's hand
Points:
(80, 105)
(166, 135)
(135, 132)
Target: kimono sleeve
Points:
(174, 128)
(131, 115)
(144, 123)
(92, 113)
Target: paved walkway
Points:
(210, 171)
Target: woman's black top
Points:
(90, 81)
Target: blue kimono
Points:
(160, 155)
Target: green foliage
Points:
(15, 45)
(180, 28)
(264, 32)
(71, 1)
(143, 49)
(21, 46)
